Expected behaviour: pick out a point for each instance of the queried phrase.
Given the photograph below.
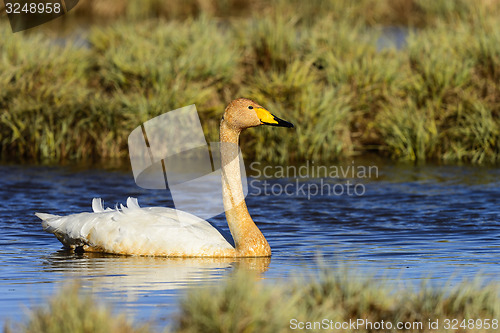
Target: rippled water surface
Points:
(413, 222)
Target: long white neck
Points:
(248, 239)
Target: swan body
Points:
(160, 231)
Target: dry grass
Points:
(71, 311)
(314, 63)
(244, 303)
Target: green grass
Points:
(243, 303)
(313, 63)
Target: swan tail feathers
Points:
(48, 221)
(45, 216)
(55, 224)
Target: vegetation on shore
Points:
(73, 311)
(244, 304)
(317, 64)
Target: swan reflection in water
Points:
(133, 276)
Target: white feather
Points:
(132, 203)
(97, 205)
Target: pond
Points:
(405, 224)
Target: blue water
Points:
(412, 223)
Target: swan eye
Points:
(250, 107)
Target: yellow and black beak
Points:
(267, 118)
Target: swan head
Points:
(244, 113)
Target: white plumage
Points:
(132, 229)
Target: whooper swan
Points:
(160, 231)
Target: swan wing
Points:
(139, 231)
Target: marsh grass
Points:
(72, 311)
(388, 12)
(37, 88)
(245, 303)
(314, 63)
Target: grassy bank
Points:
(243, 304)
(313, 63)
